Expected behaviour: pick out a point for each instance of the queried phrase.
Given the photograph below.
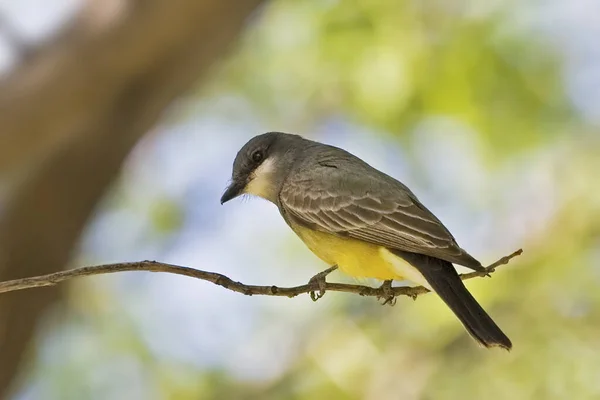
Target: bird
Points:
(360, 220)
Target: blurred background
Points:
(119, 123)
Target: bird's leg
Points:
(388, 293)
(319, 280)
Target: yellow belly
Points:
(354, 257)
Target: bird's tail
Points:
(444, 280)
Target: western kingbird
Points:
(359, 219)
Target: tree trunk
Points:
(70, 116)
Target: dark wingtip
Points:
(469, 261)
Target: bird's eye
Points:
(257, 156)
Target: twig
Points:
(227, 283)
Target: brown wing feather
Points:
(392, 218)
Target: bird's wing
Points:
(367, 208)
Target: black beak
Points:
(232, 191)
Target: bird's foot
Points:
(319, 281)
(388, 296)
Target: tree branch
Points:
(228, 283)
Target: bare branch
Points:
(226, 282)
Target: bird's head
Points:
(261, 165)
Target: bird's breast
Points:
(353, 257)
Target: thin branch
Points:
(228, 283)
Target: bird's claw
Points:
(320, 282)
(391, 301)
(388, 296)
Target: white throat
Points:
(261, 181)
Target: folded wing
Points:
(382, 212)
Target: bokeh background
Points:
(487, 110)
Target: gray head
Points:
(262, 164)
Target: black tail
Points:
(445, 281)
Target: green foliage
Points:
(165, 215)
(391, 66)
